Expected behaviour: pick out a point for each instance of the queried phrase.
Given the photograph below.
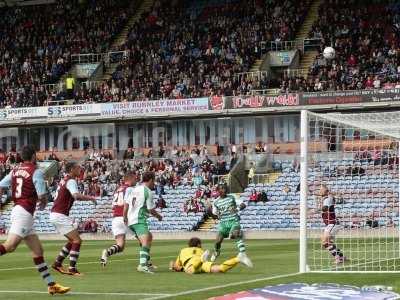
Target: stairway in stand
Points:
(308, 57)
(8, 206)
(272, 177)
(122, 37)
(208, 224)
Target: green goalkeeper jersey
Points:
(226, 208)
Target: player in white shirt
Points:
(138, 205)
(119, 229)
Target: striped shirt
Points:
(226, 208)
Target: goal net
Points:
(349, 203)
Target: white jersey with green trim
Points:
(226, 208)
(140, 200)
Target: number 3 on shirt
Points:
(18, 189)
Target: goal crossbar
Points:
(367, 121)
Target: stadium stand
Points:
(101, 214)
(212, 42)
(196, 48)
(374, 198)
(36, 44)
(364, 194)
(179, 51)
(365, 38)
(177, 182)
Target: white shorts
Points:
(332, 229)
(64, 224)
(21, 222)
(118, 226)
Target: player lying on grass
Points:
(138, 205)
(67, 193)
(28, 188)
(193, 260)
(119, 229)
(332, 227)
(226, 210)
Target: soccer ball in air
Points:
(329, 53)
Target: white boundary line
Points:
(98, 262)
(87, 293)
(88, 263)
(189, 292)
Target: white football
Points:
(329, 53)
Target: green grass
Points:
(271, 258)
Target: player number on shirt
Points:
(119, 199)
(18, 190)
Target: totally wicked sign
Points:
(261, 101)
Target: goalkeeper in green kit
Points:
(226, 210)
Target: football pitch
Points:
(276, 261)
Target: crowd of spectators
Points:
(203, 198)
(258, 196)
(180, 49)
(36, 44)
(88, 226)
(377, 155)
(176, 50)
(365, 36)
(101, 174)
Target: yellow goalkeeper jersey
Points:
(186, 254)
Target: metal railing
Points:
(298, 72)
(265, 92)
(259, 178)
(107, 58)
(216, 179)
(61, 102)
(286, 45)
(298, 44)
(59, 87)
(86, 58)
(54, 87)
(90, 84)
(257, 75)
(115, 56)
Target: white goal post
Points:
(350, 160)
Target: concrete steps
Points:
(308, 57)
(273, 177)
(256, 66)
(311, 17)
(123, 35)
(8, 206)
(122, 38)
(207, 225)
